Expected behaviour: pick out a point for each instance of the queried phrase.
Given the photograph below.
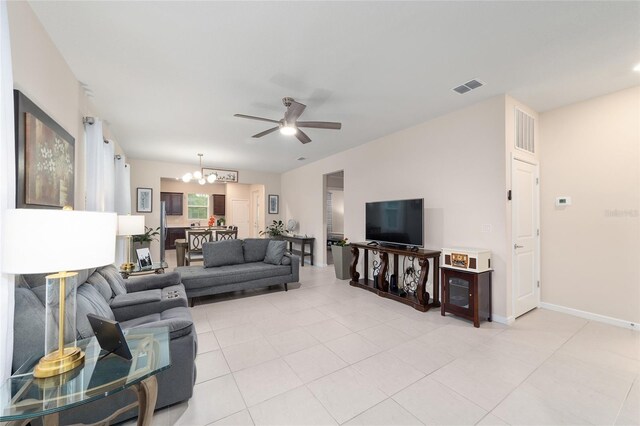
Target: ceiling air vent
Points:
(301, 158)
(468, 86)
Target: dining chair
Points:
(195, 239)
(227, 234)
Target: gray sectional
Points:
(232, 265)
(137, 302)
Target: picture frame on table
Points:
(144, 200)
(45, 158)
(223, 176)
(144, 258)
(274, 204)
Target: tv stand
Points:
(422, 300)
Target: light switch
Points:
(563, 201)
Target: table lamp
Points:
(127, 227)
(42, 241)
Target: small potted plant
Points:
(212, 221)
(341, 252)
(275, 230)
(144, 240)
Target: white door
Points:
(240, 212)
(255, 203)
(525, 195)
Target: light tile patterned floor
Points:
(325, 353)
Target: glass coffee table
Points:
(154, 268)
(23, 397)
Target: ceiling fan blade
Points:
(302, 136)
(294, 111)
(319, 125)
(251, 117)
(266, 132)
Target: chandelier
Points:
(198, 176)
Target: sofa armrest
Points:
(133, 299)
(152, 282)
(295, 266)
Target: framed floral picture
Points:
(45, 166)
(144, 200)
(274, 202)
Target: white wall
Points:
(337, 210)
(591, 249)
(455, 162)
(148, 174)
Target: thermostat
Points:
(563, 201)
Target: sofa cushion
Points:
(275, 251)
(113, 277)
(178, 320)
(286, 260)
(221, 253)
(89, 301)
(28, 320)
(194, 277)
(102, 285)
(255, 249)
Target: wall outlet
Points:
(485, 227)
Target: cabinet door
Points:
(219, 204)
(458, 292)
(176, 201)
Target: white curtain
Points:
(100, 169)
(122, 200)
(7, 188)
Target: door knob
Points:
(516, 246)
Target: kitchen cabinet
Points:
(174, 234)
(219, 204)
(173, 203)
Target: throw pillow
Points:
(221, 253)
(286, 260)
(275, 251)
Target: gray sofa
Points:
(232, 265)
(136, 302)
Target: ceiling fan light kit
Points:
(197, 175)
(289, 125)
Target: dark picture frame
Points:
(45, 158)
(230, 176)
(144, 258)
(274, 204)
(144, 200)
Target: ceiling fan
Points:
(289, 124)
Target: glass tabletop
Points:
(153, 267)
(22, 396)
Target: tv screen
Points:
(398, 222)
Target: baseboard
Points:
(502, 320)
(591, 316)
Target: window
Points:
(198, 206)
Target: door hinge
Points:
(538, 283)
(537, 181)
(509, 195)
(538, 232)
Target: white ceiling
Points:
(168, 76)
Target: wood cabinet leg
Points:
(355, 275)
(421, 293)
(383, 284)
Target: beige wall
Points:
(41, 73)
(591, 249)
(148, 174)
(455, 162)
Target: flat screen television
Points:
(399, 222)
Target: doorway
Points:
(525, 231)
(334, 210)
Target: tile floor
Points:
(325, 353)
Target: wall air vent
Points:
(525, 131)
(468, 86)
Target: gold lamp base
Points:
(127, 266)
(57, 363)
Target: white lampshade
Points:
(130, 225)
(43, 241)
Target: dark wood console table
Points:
(422, 301)
(303, 241)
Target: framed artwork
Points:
(273, 204)
(144, 200)
(223, 175)
(144, 258)
(45, 158)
